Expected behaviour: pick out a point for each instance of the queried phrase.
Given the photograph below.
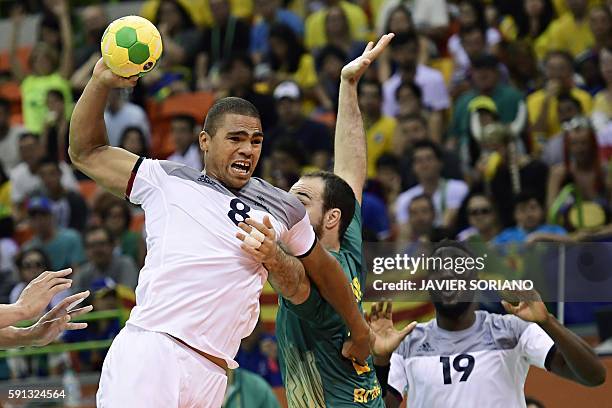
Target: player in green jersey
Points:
(310, 333)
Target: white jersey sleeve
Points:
(535, 345)
(146, 181)
(300, 239)
(397, 372)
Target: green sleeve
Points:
(352, 240)
(309, 310)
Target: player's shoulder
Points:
(418, 341)
(276, 201)
(504, 326)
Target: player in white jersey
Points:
(468, 358)
(198, 292)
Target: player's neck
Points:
(462, 322)
(329, 243)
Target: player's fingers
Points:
(406, 330)
(81, 311)
(246, 228)
(389, 309)
(58, 274)
(240, 236)
(59, 288)
(267, 222)
(258, 226)
(57, 281)
(253, 252)
(75, 326)
(368, 47)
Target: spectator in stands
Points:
(338, 33)
(289, 60)
(422, 214)
(587, 70)
(447, 194)
(54, 136)
(329, 63)
(48, 69)
(472, 39)
(404, 52)
(5, 193)
(9, 137)
(471, 15)
(103, 263)
(24, 177)
(120, 114)
(68, 207)
(379, 128)
(571, 31)
(315, 34)
(482, 218)
(388, 182)
(258, 354)
(182, 131)
(8, 251)
(269, 12)
(94, 21)
(600, 20)
(602, 106)
(243, 386)
(31, 263)
(313, 138)
(227, 35)
(522, 65)
(410, 99)
(542, 104)
(62, 245)
(430, 16)
(286, 163)
(508, 103)
(529, 23)
(237, 80)
(116, 217)
(375, 218)
(577, 190)
(134, 140)
(412, 129)
(568, 108)
(529, 215)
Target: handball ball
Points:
(131, 46)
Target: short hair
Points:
(5, 104)
(57, 93)
(95, 228)
(50, 160)
(450, 244)
(389, 161)
(405, 38)
(485, 61)
(370, 82)
(125, 208)
(561, 54)
(224, 106)
(416, 90)
(26, 135)
(428, 144)
(21, 256)
(425, 197)
(329, 51)
(242, 57)
(413, 116)
(292, 148)
(526, 196)
(337, 194)
(568, 97)
(184, 118)
(465, 30)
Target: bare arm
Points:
(89, 149)
(63, 14)
(350, 164)
(16, 21)
(82, 74)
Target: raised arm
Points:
(62, 12)
(350, 159)
(89, 150)
(16, 22)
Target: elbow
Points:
(599, 377)
(76, 157)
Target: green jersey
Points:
(310, 338)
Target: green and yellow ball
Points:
(131, 46)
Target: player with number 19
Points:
(198, 292)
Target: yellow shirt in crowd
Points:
(34, 89)
(379, 137)
(561, 5)
(567, 34)
(199, 10)
(536, 99)
(315, 25)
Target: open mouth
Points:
(241, 167)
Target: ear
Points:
(204, 140)
(332, 218)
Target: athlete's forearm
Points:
(579, 361)
(11, 314)
(15, 337)
(285, 273)
(87, 128)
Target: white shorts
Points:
(152, 370)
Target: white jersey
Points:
(483, 366)
(197, 284)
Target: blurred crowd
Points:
(486, 120)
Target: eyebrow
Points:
(244, 133)
(303, 194)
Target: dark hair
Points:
(405, 38)
(525, 196)
(292, 148)
(416, 90)
(562, 54)
(413, 116)
(428, 144)
(185, 16)
(49, 160)
(533, 401)
(5, 104)
(184, 118)
(465, 30)
(228, 105)
(21, 256)
(57, 93)
(448, 244)
(329, 51)
(394, 10)
(522, 20)
(485, 61)
(93, 229)
(370, 82)
(568, 97)
(143, 140)
(337, 194)
(478, 11)
(125, 208)
(425, 197)
(26, 135)
(241, 57)
(388, 160)
(295, 49)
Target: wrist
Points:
(382, 360)
(19, 311)
(547, 322)
(25, 336)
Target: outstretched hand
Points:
(353, 71)
(104, 75)
(530, 307)
(386, 338)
